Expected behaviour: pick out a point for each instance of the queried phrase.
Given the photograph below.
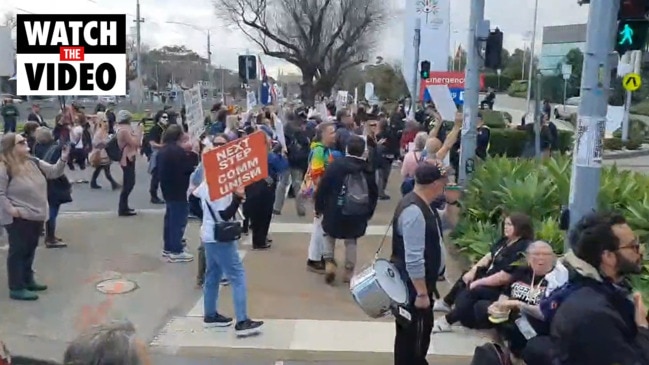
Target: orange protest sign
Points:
(237, 163)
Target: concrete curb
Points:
(621, 155)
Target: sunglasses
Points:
(164, 117)
(373, 125)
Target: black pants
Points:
(384, 174)
(154, 184)
(106, 170)
(128, 182)
(465, 302)
(412, 341)
(455, 290)
(539, 350)
(260, 212)
(23, 238)
(78, 156)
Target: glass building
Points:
(557, 42)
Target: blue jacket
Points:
(277, 164)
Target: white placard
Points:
(566, 71)
(614, 117)
(194, 108)
(369, 91)
(342, 97)
(251, 100)
(589, 140)
(441, 96)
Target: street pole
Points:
(531, 64)
(631, 59)
(471, 95)
(415, 77)
(537, 117)
(222, 84)
(138, 22)
(210, 76)
(587, 154)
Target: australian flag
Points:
(266, 94)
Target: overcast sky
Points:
(514, 17)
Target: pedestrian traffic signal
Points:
(631, 35)
(247, 68)
(425, 70)
(494, 50)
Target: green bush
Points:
(633, 144)
(496, 119)
(518, 89)
(511, 142)
(539, 189)
(613, 144)
(641, 108)
(492, 81)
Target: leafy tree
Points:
(514, 66)
(323, 38)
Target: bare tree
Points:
(323, 38)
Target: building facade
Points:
(557, 42)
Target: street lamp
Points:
(532, 46)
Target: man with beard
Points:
(598, 320)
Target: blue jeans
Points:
(222, 259)
(175, 222)
(50, 225)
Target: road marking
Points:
(312, 336)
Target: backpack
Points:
(298, 153)
(355, 195)
(408, 183)
(550, 304)
(491, 354)
(112, 149)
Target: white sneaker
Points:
(441, 325)
(441, 306)
(180, 257)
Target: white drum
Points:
(379, 289)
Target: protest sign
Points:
(194, 109)
(237, 163)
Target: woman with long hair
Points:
(98, 157)
(24, 209)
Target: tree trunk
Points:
(307, 91)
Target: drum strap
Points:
(385, 235)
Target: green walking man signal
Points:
(631, 35)
(626, 35)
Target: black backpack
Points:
(298, 151)
(491, 354)
(355, 195)
(112, 149)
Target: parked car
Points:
(15, 99)
(565, 111)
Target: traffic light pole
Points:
(415, 77)
(587, 153)
(471, 95)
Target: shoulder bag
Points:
(225, 231)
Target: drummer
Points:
(417, 254)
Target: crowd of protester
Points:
(576, 309)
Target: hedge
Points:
(511, 142)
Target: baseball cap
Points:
(428, 173)
(124, 115)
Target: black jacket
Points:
(595, 324)
(298, 147)
(175, 165)
(59, 190)
(334, 223)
